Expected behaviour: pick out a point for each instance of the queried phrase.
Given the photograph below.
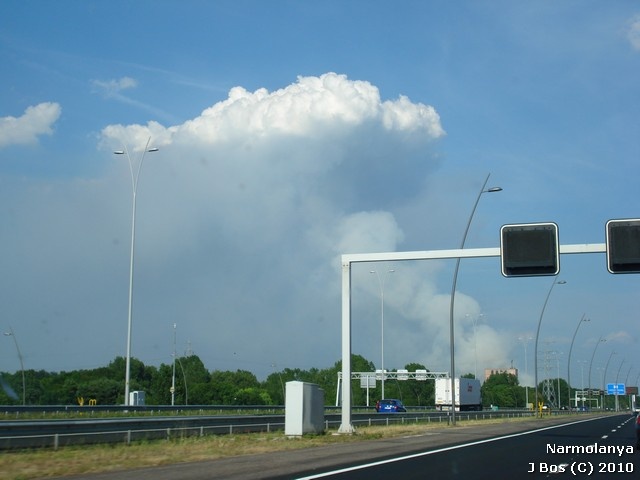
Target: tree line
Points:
(195, 385)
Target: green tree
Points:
(416, 392)
(192, 380)
(195, 385)
(502, 389)
(274, 386)
(251, 396)
(8, 393)
(140, 377)
(226, 385)
(104, 391)
(52, 387)
(160, 388)
(358, 394)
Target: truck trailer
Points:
(467, 394)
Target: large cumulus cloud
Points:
(283, 182)
(241, 219)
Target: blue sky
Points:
(291, 132)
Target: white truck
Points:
(467, 394)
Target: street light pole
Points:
(284, 396)
(626, 384)
(583, 319)
(582, 363)
(626, 381)
(617, 396)
(535, 353)
(453, 295)
(173, 368)
(184, 377)
(381, 285)
(600, 340)
(135, 176)
(15, 341)
(604, 377)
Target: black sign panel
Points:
(623, 246)
(529, 249)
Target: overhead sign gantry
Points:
(528, 248)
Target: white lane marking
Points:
(439, 450)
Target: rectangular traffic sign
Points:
(616, 389)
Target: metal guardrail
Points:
(57, 440)
(173, 428)
(136, 408)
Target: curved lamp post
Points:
(617, 377)
(184, 377)
(604, 377)
(600, 340)
(583, 319)
(582, 364)
(453, 295)
(24, 388)
(626, 381)
(381, 285)
(284, 396)
(135, 176)
(535, 353)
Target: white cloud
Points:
(330, 103)
(36, 121)
(114, 86)
(620, 337)
(273, 161)
(367, 232)
(285, 178)
(404, 115)
(633, 34)
(241, 216)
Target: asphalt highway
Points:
(537, 448)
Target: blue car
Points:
(390, 405)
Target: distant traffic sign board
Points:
(615, 389)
